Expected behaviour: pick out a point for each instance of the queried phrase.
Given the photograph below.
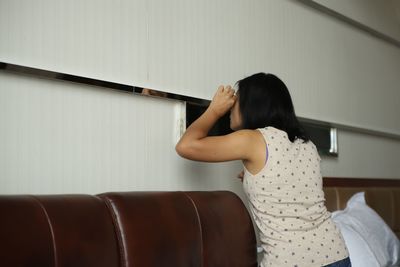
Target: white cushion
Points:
(368, 238)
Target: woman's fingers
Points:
(226, 89)
(223, 100)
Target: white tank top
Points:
(288, 205)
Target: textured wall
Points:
(335, 72)
(60, 137)
(382, 16)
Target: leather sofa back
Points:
(63, 230)
(126, 229)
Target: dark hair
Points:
(264, 100)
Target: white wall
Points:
(333, 70)
(382, 16)
(60, 137)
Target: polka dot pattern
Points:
(288, 206)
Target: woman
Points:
(281, 178)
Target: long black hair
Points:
(264, 100)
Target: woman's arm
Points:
(196, 145)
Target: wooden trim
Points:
(359, 182)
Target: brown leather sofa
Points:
(140, 229)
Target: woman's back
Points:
(285, 194)
(287, 204)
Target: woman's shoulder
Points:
(251, 136)
(269, 134)
(250, 133)
(274, 133)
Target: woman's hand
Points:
(223, 100)
(195, 144)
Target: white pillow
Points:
(369, 240)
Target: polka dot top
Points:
(286, 201)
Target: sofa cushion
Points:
(227, 231)
(25, 235)
(156, 228)
(82, 229)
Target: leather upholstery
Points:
(126, 229)
(25, 235)
(83, 233)
(156, 228)
(384, 200)
(218, 223)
